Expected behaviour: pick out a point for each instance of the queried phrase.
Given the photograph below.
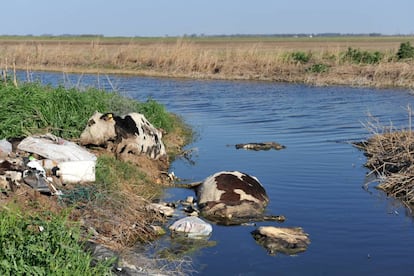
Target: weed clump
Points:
(405, 51)
(300, 57)
(318, 68)
(357, 56)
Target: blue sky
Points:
(209, 17)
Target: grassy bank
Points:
(43, 244)
(35, 108)
(356, 61)
(111, 211)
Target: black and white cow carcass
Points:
(131, 133)
(232, 197)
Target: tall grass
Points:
(43, 244)
(33, 108)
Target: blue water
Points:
(316, 182)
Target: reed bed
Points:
(318, 62)
(390, 154)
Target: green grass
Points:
(32, 108)
(43, 244)
(112, 173)
(114, 176)
(49, 244)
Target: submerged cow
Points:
(131, 133)
(232, 197)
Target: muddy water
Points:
(316, 182)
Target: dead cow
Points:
(131, 133)
(231, 197)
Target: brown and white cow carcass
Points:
(131, 133)
(232, 197)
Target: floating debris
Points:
(260, 146)
(192, 227)
(286, 240)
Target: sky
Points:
(209, 17)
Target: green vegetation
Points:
(47, 243)
(318, 68)
(359, 56)
(112, 173)
(43, 244)
(405, 51)
(300, 57)
(157, 114)
(32, 108)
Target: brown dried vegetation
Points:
(209, 58)
(391, 158)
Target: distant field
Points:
(381, 43)
(343, 60)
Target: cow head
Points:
(130, 134)
(99, 130)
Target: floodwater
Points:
(316, 182)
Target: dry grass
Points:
(390, 155)
(215, 58)
(119, 220)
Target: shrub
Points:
(300, 57)
(405, 51)
(358, 56)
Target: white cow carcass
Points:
(131, 133)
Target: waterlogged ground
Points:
(316, 182)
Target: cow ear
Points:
(107, 117)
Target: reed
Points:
(390, 157)
(352, 61)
